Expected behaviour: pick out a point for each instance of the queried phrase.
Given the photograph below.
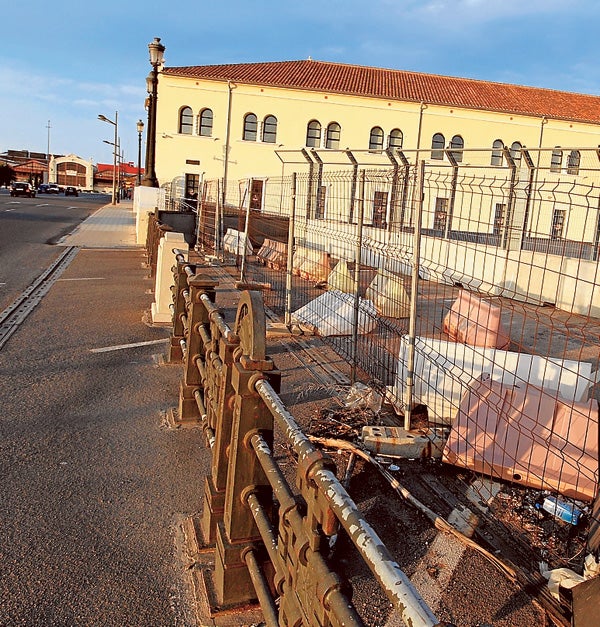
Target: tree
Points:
(7, 175)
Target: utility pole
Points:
(48, 152)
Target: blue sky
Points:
(68, 61)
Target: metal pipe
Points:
(336, 600)
(267, 604)
(393, 580)
(217, 318)
(210, 434)
(273, 472)
(265, 529)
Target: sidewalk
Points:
(94, 485)
(112, 226)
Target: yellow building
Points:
(228, 120)
(509, 178)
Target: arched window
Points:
(205, 123)
(332, 138)
(515, 153)
(457, 144)
(395, 138)
(186, 120)
(376, 138)
(269, 129)
(573, 162)
(250, 127)
(437, 146)
(313, 134)
(556, 160)
(497, 148)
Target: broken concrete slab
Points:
(398, 442)
(332, 313)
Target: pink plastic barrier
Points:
(526, 436)
(475, 322)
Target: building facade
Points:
(71, 170)
(237, 121)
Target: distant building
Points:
(31, 171)
(71, 170)
(127, 176)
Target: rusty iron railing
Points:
(270, 541)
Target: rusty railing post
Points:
(220, 421)
(178, 289)
(196, 316)
(238, 533)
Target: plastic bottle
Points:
(561, 509)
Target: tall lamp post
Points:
(140, 130)
(117, 177)
(156, 50)
(115, 123)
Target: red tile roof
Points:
(127, 169)
(401, 85)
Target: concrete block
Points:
(398, 442)
(161, 312)
(332, 313)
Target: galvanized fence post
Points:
(289, 276)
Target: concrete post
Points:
(163, 296)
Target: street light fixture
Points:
(140, 130)
(115, 123)
(156, 50)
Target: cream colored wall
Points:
(356, 115)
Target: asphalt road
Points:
(93, 485)
(28, 228)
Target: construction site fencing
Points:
(462, 284)
(271, 542)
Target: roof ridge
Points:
(403, 85)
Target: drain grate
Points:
(14, 315)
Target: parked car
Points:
(22, 189)
(53, 188)
(71, 191)
(43, 188)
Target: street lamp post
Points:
(156, 50)
(140, 130)
(115, 123)
(117, 176)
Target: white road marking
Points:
(119, 347)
